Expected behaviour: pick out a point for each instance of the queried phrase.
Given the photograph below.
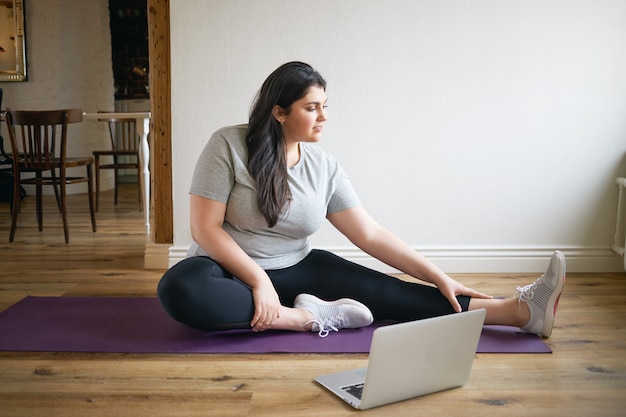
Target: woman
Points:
(260, 190)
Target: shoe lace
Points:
(528, 292)
(327, 325)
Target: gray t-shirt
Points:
(318, 185)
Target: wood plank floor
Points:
(585, 376)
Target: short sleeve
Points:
(344, 196)
(213, 175)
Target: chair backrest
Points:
(34, 136)
(123, 132)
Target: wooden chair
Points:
(35, 137)
(125, 145)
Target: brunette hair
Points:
(267, 162)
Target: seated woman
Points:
(260, 190)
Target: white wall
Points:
(69, 65)
(486, 133)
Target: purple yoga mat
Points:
(139, 325)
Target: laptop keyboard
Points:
(356, 390)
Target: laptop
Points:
(411, 359)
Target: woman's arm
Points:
(367, 234)
(207, 218)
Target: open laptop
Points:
(412, 359)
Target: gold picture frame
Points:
(12, 41)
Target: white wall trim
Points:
(483, 260)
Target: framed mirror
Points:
(12, 41)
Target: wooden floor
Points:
(585, 376)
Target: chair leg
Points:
(39, 203)
(97, 168)
(116, 184)
(90, 196)
(15, 206)
(56, 188)
(66, 230)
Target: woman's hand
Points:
(451, 288)
(266, 307)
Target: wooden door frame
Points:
(160, 121)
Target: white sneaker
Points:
(344, 313)
(542, 297)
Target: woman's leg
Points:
(331, 277)
(504, 312)
(533, 309)
(200, 293)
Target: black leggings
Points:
(200, 293)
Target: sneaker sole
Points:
(553, 302)
(313, 299)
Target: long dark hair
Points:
(267, 162)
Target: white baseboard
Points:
(177, 254)
(505, 261)
(510, 260)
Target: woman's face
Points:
(305, 121)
